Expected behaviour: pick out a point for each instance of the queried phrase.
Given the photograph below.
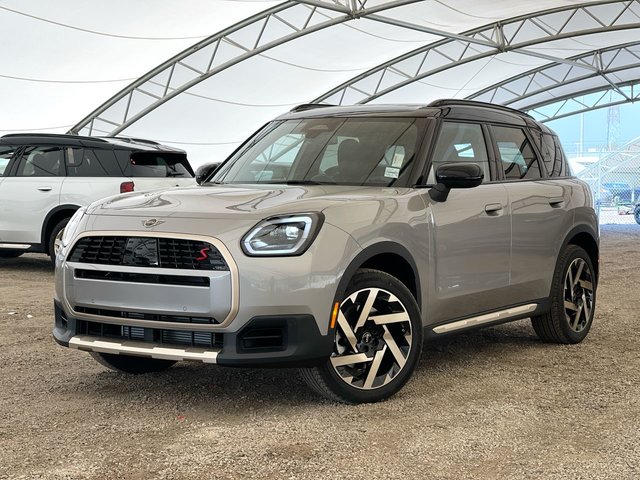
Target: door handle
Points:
(556, 202)
(493, 208)
(44, 189)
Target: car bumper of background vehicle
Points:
(265, 341)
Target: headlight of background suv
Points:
(283, 235)
(72, 226)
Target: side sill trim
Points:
(17, 246)
(487, 318)
(142, 349)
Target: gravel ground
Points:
(496, 403)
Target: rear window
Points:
(157, 164)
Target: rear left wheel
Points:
(377, 343)
(573, 299)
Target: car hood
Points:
(232, 201)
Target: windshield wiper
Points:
(175, 174)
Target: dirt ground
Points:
(496, 403)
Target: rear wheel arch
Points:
(51, 220)
(388, 257)
(585, 238)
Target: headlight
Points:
(283, 235)
(72, 226)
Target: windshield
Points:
(342, 151)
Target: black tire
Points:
(59, 227)
(572, 304)
(636, 215)
(131, 364)
(393, 348)
(10, 253)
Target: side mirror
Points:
(205, 171)
(455, 175)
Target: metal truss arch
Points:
(587, 101)
(268, 29)
(511, 35)
(582, 73)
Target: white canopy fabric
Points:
(218, 70)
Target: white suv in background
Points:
(44, 179)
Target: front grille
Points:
(183, 280)
(151, 335)
(104, 312)
(148, 252)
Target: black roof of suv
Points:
(452, 108)
(125, 143)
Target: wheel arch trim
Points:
(45, 225)
(584, 229)
(372, 251)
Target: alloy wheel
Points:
(578, 294)
(373, 339)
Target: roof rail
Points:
(475, 103)
(309, 106)
(50, 135)
(133, 139)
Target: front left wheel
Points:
(378, 339)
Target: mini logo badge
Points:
(152, 222)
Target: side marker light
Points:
(334, 315)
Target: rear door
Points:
(92, 174)
(540, 213)
(470, 231)
(30, 192)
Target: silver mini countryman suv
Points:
(336, 240)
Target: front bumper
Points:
(204, 315)
(264, 341)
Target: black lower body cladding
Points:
(265, 341)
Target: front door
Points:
(30, 193)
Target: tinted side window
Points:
(41, 162)
(109, 162)
(548, 151)
(517, 157)
(5, 157)
(561, 166)
(86, 162)
(553, 156)
(124, 161)
(460, 142)
(82, 162)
